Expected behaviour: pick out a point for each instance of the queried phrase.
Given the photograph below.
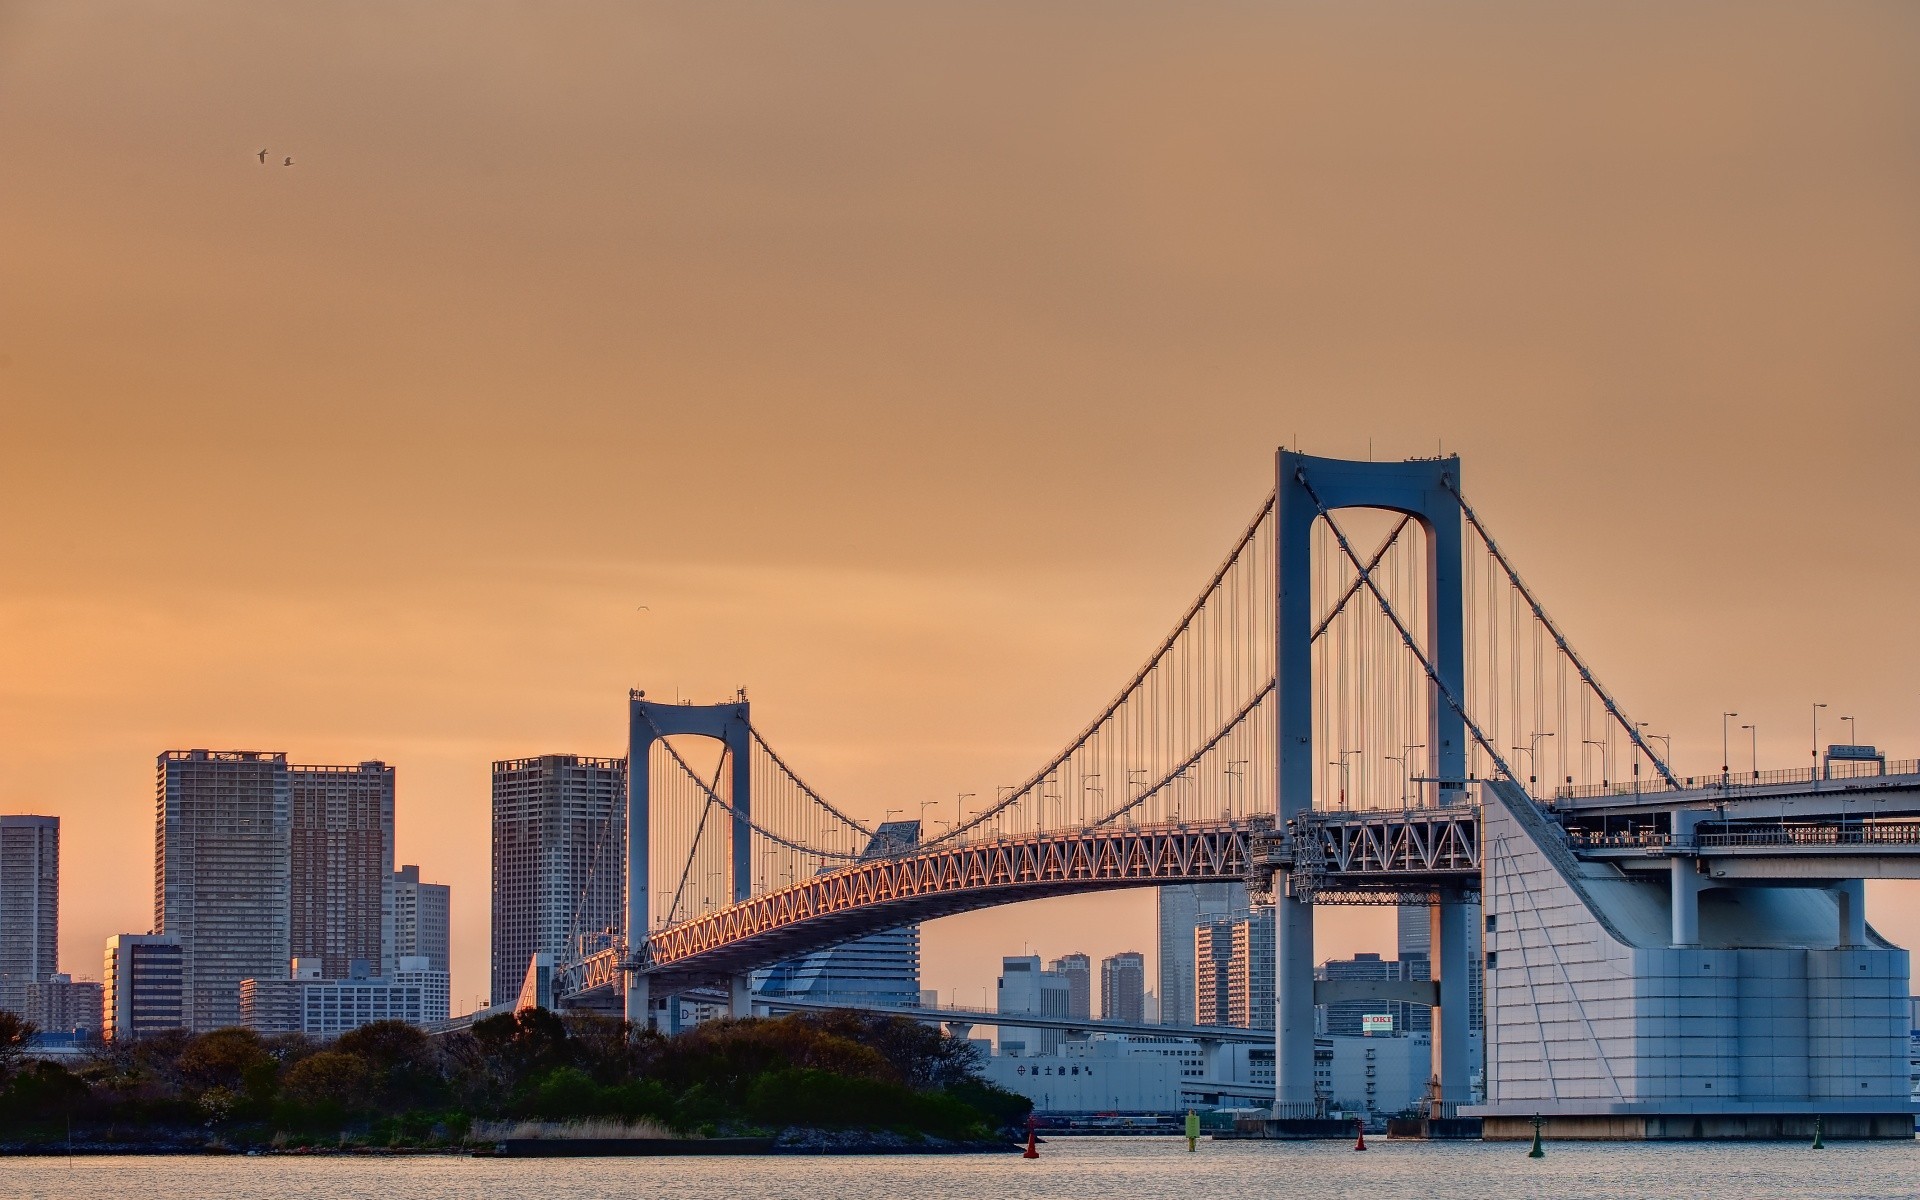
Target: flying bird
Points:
(263, 158)
(289, 161)
(643, 608)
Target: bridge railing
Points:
(1874, 833)
(1837, 833)
(1734, 780)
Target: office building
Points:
(341, 865)
(879, 969)
(422, 914)
(559, 860)
(64, 1007)
(222, 883)
(1181, 909)
(1077, 970)
(1374, 1018)
(1123, 984)
(29, 905)
(310, 1000)
(144, 989)
(1025, 988)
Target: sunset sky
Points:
(912, 364)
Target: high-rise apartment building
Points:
(62, 1006)
(559, 860)
(1212, 964)
(29, 906)
(1123, 986)
(144, 991)
(222, 883)
(422, 914)
(1077, 970)
(1181, 909)
(1233, 975)
(341, 866)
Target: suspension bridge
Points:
(1336, 719)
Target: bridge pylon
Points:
(648, 721)
(1306, 490)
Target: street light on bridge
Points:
(1533, 753)
(1666, 742)
(1815, 750)
(1724, 768)
(1603, 758)
(1754, 730)
(1341, 763)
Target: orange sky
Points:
(912, 364)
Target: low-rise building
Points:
(1098, 1076)
(325, 1008)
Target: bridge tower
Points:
(647, 722)
(1425, 490)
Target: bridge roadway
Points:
(1365, 857)
(1783, 825)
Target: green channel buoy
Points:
(1538, 1151)
(1193, 1129)
(1819, 1127)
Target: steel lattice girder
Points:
(1412, 853)
(864, 897)
(1419, 841)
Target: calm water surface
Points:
(1099, 1169)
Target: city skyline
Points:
(923, 440)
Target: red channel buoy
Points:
(1033, 1149)
(1359, 1134)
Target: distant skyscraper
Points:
(1077, 970)
(1123, 986)
(1181, 909)
(881, 968)
(1415, 929)
(421, 918)
(222, 831)
(29, 906)
(559, 859)
(341, 867)
(1025, 988)
(144, 991)
(1250, 978)
(1415, 941)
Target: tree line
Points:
(390, 1084)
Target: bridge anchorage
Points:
(1365, 704)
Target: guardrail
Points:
(1836, 772)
